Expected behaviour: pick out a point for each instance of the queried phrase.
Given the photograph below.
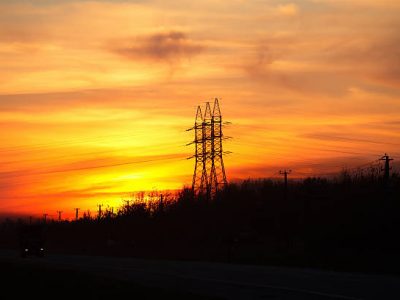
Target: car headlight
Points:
(41, 249)
(26, 250)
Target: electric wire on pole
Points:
(285, 174)
(59, 212)
(387, 159)
(99, 212)
(76, 213)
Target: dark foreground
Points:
(34, 279)
(62, 276)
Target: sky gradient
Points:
(95, 96)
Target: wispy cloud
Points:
(170, 46)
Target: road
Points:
(227, 281)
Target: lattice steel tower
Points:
(199, 170)
(217, 175)
(209, 171)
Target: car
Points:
(32, 240)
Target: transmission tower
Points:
(217, 176)
(208, 144)
(197, 182)
(209, 171)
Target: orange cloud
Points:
(289, 9)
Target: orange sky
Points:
(95, 96)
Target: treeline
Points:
(350, 222)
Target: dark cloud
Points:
(376, 57)
(171, 46)
(262, 58)
(146, 99)
(368, 61)
(259, 66)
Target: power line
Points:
(352, 139)
(92, 167)
(307, 147)
(79, 155)
(29, 147)
(38, 147)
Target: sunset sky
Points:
(95, 96)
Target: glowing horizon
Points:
(95, 96)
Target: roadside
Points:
(98, 276)
(36, 280)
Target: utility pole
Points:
(76, 213)
(99, 213)
(59, 215)
(45, 217)
(387, 167)
(285, 174)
